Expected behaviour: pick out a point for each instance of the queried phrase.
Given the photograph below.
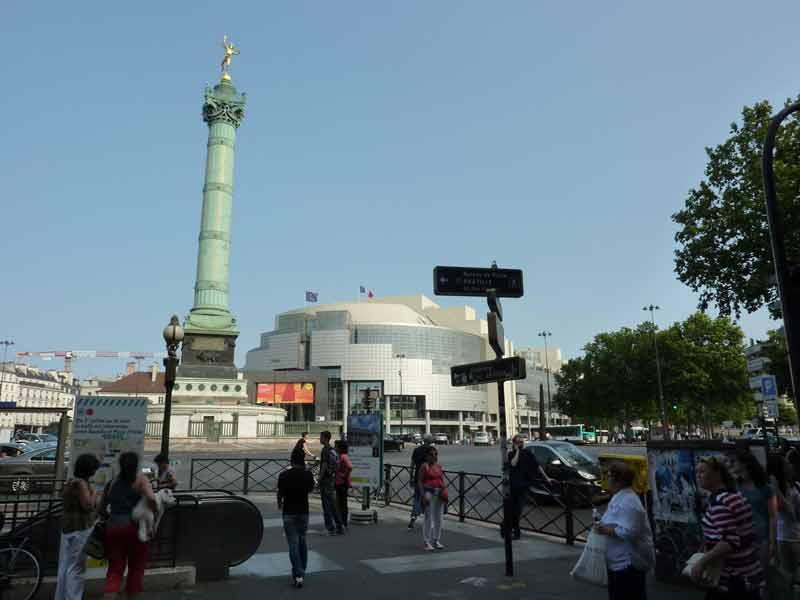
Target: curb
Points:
(155, 580)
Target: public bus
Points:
(576, 433)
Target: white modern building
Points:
(320, 362)
(23, 386)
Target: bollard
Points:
(246, 483)
(568, 516)
(191, 475)
(461, 478)
(387, 483)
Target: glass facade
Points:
(356, 393)
(444, 347)
(335, 394)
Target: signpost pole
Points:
(542, 418)
(507, 511)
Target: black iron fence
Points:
(152, 429)
(562, 510)
(296, 428)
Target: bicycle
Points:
(20, 574)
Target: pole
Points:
(170, 365)
(542, 418)
(402, 402)
(664, 422)
(787, 276)
(547, 373)
(507, 510)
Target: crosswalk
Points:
(277, 564)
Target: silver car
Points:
(31, 470)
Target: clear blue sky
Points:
(382, 138)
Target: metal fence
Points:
(152, 429)
(31, 514)
(295, 429)
(562, 511)
(205, 429)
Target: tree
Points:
(724, 249)
(702, 362)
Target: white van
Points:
(481, 438)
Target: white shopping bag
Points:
(591, 566)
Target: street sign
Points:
(771, 409)
(502, 369)
(769, 387)
(468, 281)
(496, 334)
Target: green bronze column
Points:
(210, 328)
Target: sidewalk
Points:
(386, 561)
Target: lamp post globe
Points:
(173, 333)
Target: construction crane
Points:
(71, 355)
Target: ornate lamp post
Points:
(173, 336)
(402, 398)
(545, 335)
(664, 424)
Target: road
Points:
(472, 459)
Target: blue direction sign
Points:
(769, 387)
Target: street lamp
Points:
(5, 343)
(402, 399)
(173, 336)
(664, 424)
(545, 335)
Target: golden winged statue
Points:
(230, 52)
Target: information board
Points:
(365, 449)
(107, 427)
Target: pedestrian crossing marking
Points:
(429, 561)
(277, 565)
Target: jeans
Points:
(295, 527)
(123, 546)
(627, 584)
(341, 502)
(333, 522)
(72, 565)
(518, 498)
(416, 505)
(432, 526)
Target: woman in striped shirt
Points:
(729, 536)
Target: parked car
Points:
(413, 438)
(481, 438)
(441, 438)
(566, 463)
(12, 449)
(392, 442)
(36, 438)
(31, 470)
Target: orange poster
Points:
(285, 393)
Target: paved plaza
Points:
(386, 561)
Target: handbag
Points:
(96, 544)
(591, 566)
(711, 573)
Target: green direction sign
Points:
(502, 369)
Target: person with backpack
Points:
(417, 458)
(328, 466)
(294, 486)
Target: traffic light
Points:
(675, 406)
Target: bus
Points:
(576, 433)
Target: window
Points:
(45, 456)
(543, 455)
(226, 388)
(177, 386)
(213, 387)
(188, 387)
(238, 388)
(202, 387)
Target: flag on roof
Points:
(370, 294)
(312, 296)
(363, 290)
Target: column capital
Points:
(223, 103)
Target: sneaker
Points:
(429, 548)
(411, 523)
(517, 535)
(298, 582)
(438, 545)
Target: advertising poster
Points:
(365, 442)
(107, 427)
(672, 478)
(285, 393)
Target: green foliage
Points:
(704, 375)
(724, 249)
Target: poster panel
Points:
(107, 427)
(365, 449)
(285, 393)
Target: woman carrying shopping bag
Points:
(729, 536)
(78, 520)
(630, 553)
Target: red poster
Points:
(285, 393)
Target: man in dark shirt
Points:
(328, 465)
(294, 486)
(525, 470)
